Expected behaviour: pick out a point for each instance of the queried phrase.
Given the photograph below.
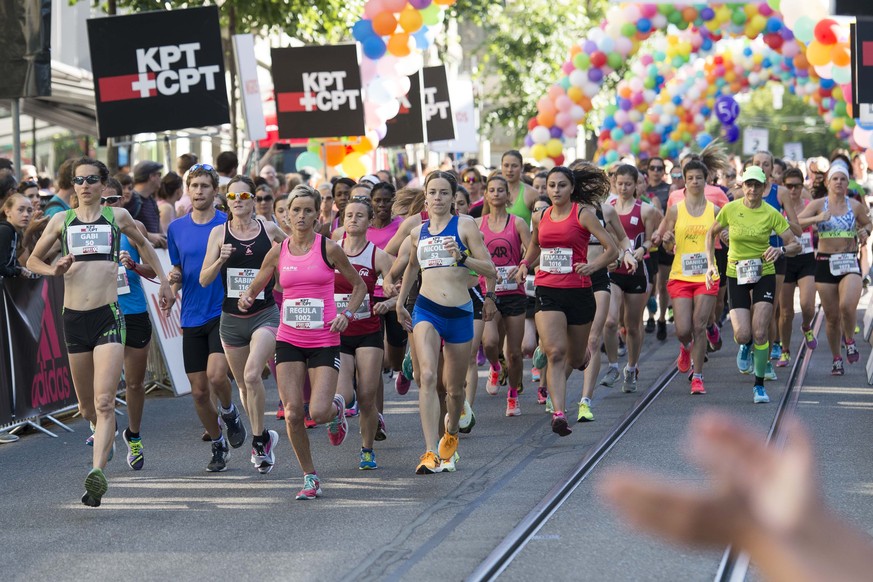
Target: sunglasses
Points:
(794, 186)
(92, 179)
(110, 199)
(470, 180)
(657, 168)
(262, 198)
(240, 195)
(206, 167)
(676, 176)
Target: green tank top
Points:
(95, 241)
(519, 208)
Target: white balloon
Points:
(547, 162)
(403, 85)
(377, 91)
(578, 78)
(389, 110)
(409, 64)
(577, 113)
(387, 66)
(540, 134)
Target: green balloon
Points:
(610, 110)
(565, 83)
(648, 126)
(738, 17)
(675, 17)
(430, 15)
(666, 9)
(628, 29)
(840, 108)
(611, 156)
(774, 4)
(308, 159)
(582, 61)
(614, 60)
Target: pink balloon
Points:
(393, 5)
(546, 105)
(368, 70)
(648, 10)
(372, 8)
(563, 103)
(563, 119)
(568, 67)
(572, 131)
(555, 91)
(647, 59)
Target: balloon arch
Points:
(683, 63)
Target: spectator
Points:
(860, 172)
(385, 176)
(6, 167)
(184, 163)
(226, 164)
(779, 167)
(126, 186)
(8, 185)
(268, 173)
(142, 205)
(62, 200)
(264, 203)
(168, 194)
(14, 217)
(30, 189)
(292, 179)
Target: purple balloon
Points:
(420, 4)
(727, 109)
(628, 127)
(528, 141)
(589, 47)
(625, 104)
(786, 33)
(555, 131)
(595, 75)
(731, 133)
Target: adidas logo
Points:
(51, 383)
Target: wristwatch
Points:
(491, 295)
(783, 250)
(348, 313)
(463, 259)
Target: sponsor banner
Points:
(40, 369)
(429, 105)
(167, 330)
(408, 125)
(318, 91)
(250, 88)
(158, 71)
(464, 110)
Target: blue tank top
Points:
(135, 301)
(430, 250)
(772, 198)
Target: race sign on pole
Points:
(793, 151)
(755, 140)
(157, 71)
(318, 91)
(862, 61)
(408, 125)
(430, 105)
(464, 109)
(250, 88)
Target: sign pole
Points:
(16, 135)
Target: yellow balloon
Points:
(538, 151)
(353, 166)
(554, 148)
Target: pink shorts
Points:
(688, 290)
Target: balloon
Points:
(372, 8)
(393, 5)
(731, 133)
(540, 134)
(398, 44)
(431, 14)
(818, 54)
(384, 23)
(373, 47)
(804, 29)
(410, 19)
(727, 109)
(419, 4)
(704, 139)
(334, 154)
(307, 159)
(538, 151)
(826, 31)
(353, 165)
(554, 148)
(362, 30)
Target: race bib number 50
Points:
(303, 313)
(89, 239)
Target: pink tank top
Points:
(381, 237)
(308, 305)
(505, 249)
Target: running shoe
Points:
(448, 445)
(713, 336)
(784, 359)
(406, 366)
(652, 307)
(448, 465)
(402, 383)
(236, 430)
(539, 359)
(809, 336)
(220, 453)
(504, 370)
(622, 348)
(683, 362)
(95, 488)
(837, 369)
(263, 453)
(468, 419)
(760, 395)
(381, 430)
(559, 424)
(775, 351)
(770, 373)
(650, 325)
(697, 386)
(542, 395)
(90, 440)
(428, 464)
(670, 314)
(852, 353)
(662, 331)
(311, 488)
(307, 419)
(512, 407)
(493, 378)
(280, 412)
(339, 426)
(535, 374)
(585, 414)
(630, 380)
(611, 376)
(368, 460)
(550, 409)
(135, 457)
(744, 359)
(352, 411)
(480, 356)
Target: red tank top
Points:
(308, 305)
(364, 322)
(505, 249)
(635, 229)
(562, 244)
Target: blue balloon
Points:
(727, 109)
(706, 44)
(421, 40)
(308, 159)
(362, 30)
(644, 25)
(609, 123)
(704, 139)
(731, 133)
(374, 47)
(747, 51)
(827, 83)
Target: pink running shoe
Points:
(542, 395)
(402, 383)
(512, 408)
(683, 362)
(339, 426)
(852, 352)
(697, 386)
(493, 379)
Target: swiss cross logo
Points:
(163, 70)
(322, 91)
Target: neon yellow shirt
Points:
(750, 230)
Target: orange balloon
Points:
(575, 50)
(444, 2)
(410, 20)
(398, 44)
(818, 54)
(585, 103)
(364, 146)
(625, 92)
(800, 62)
(335, 154)
(840, 55)
(384, 23)
(546, 118)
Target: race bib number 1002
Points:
(303, 313)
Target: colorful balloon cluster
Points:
(392, 35)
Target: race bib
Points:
(694, 264)
(303, 313)
(749, 271)
(432, 254)
(238, 280)
(504, 283)
(529, 288)
(557, 261)
(122, 282)
(89, 239)
(843, 264)
(806, 243)
(342, 302)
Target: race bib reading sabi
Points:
(238, 280)
(89, 239)
(557, 261)
(303, 313)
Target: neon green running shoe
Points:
(585, 414)
(95, 487)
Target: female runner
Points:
(521, 197)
